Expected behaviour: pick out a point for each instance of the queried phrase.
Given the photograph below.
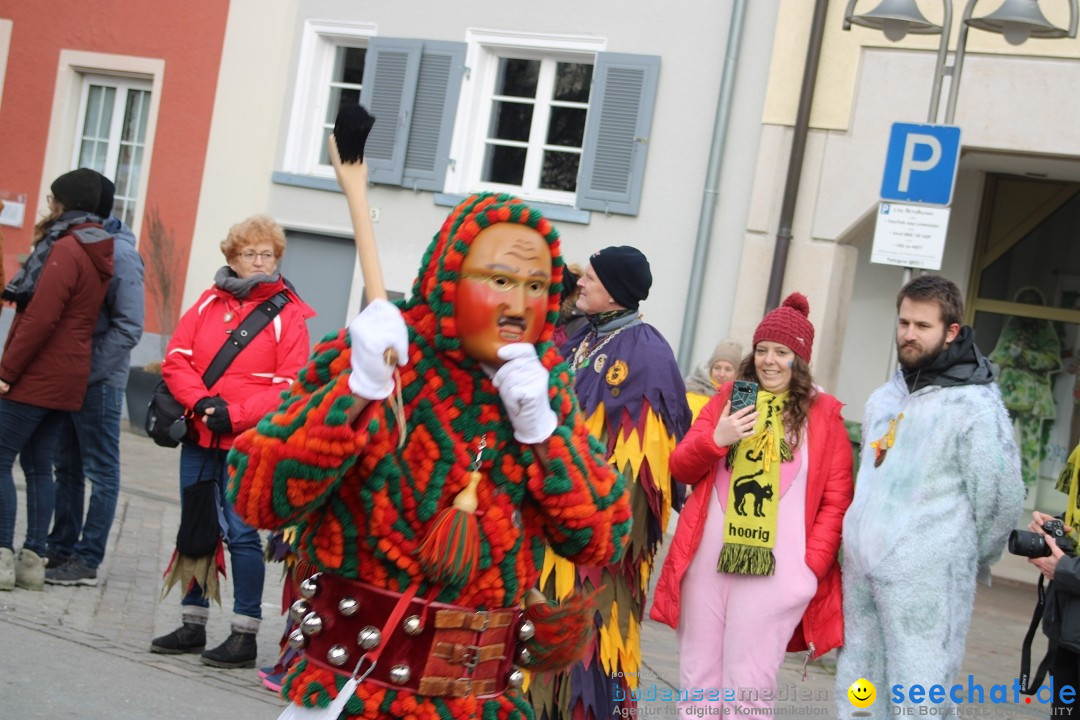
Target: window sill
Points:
(557, 213)
(305, 181)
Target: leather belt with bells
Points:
(434, 649)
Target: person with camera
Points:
(752, 570)
(1054, 555)
(249, 388)
(939, 469)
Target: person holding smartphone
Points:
(752, 570)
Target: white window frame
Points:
(122, 85)
(485, 48)
(318, 45)
(65, 119)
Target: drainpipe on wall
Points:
(711, 193)
(795, 162)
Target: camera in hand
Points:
(1033, 545)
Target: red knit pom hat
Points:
(789, 325)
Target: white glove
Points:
(375, 330)
(522, 382)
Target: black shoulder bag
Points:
(166, 417)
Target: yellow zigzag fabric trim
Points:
(618, 654)
(656, 446)
(565, 575)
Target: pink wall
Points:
(188, 36)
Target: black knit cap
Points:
(624, 273)
(105, 200)
(78, 190)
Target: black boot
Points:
(238, 651)
(188, 638)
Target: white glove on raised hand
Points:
(377, 328)
(522, 382)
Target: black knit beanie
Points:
(624, 273)
(78, 190)
(105, 201)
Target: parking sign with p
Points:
(920, 166)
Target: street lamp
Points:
(1017, 20)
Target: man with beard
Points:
(937, 493)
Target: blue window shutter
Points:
(617, 133)
(442, 66)
(391, 68)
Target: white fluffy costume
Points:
(937, 493)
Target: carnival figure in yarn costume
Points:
(634, 401)
(416, 612)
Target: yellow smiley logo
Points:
(862, 693)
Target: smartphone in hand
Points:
(743, 395)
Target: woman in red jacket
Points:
(753, 569)
(46, 362)
(250, 387)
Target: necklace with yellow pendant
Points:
(882, 445)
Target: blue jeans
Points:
(245, 546)
(30, 432)
(88, 448)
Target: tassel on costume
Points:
(562, 632)
(201, 570)
(746, 560)
(451, 550)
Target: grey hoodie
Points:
(120, 322)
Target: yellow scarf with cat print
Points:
(753, 503)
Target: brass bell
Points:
(369, 637)
(515, 678)
(348, 606)
(309, 587)
(297, 641)
(413, 626)
(298, 610)
(312, 624)
(400, 674)
(527, 630)
(524, 656)
(337, 655)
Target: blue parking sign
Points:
(920, 165)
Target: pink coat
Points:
(828, 494)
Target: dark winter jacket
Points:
(46, 357)
(120, 322)
(1061, 617)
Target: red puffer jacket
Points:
(828, 494)
(253, 382)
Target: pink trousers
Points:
(733, 629)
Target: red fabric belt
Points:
(434, 649)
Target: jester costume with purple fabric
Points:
(634, 401)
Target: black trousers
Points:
(1066, 671)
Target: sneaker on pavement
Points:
(238, 651)
(188, 638)
(7, 569)
(72, 572)
(55, 558)
(29, 570)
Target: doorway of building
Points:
(1024, 303)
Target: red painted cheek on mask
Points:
(476, 310)
(535, 318)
